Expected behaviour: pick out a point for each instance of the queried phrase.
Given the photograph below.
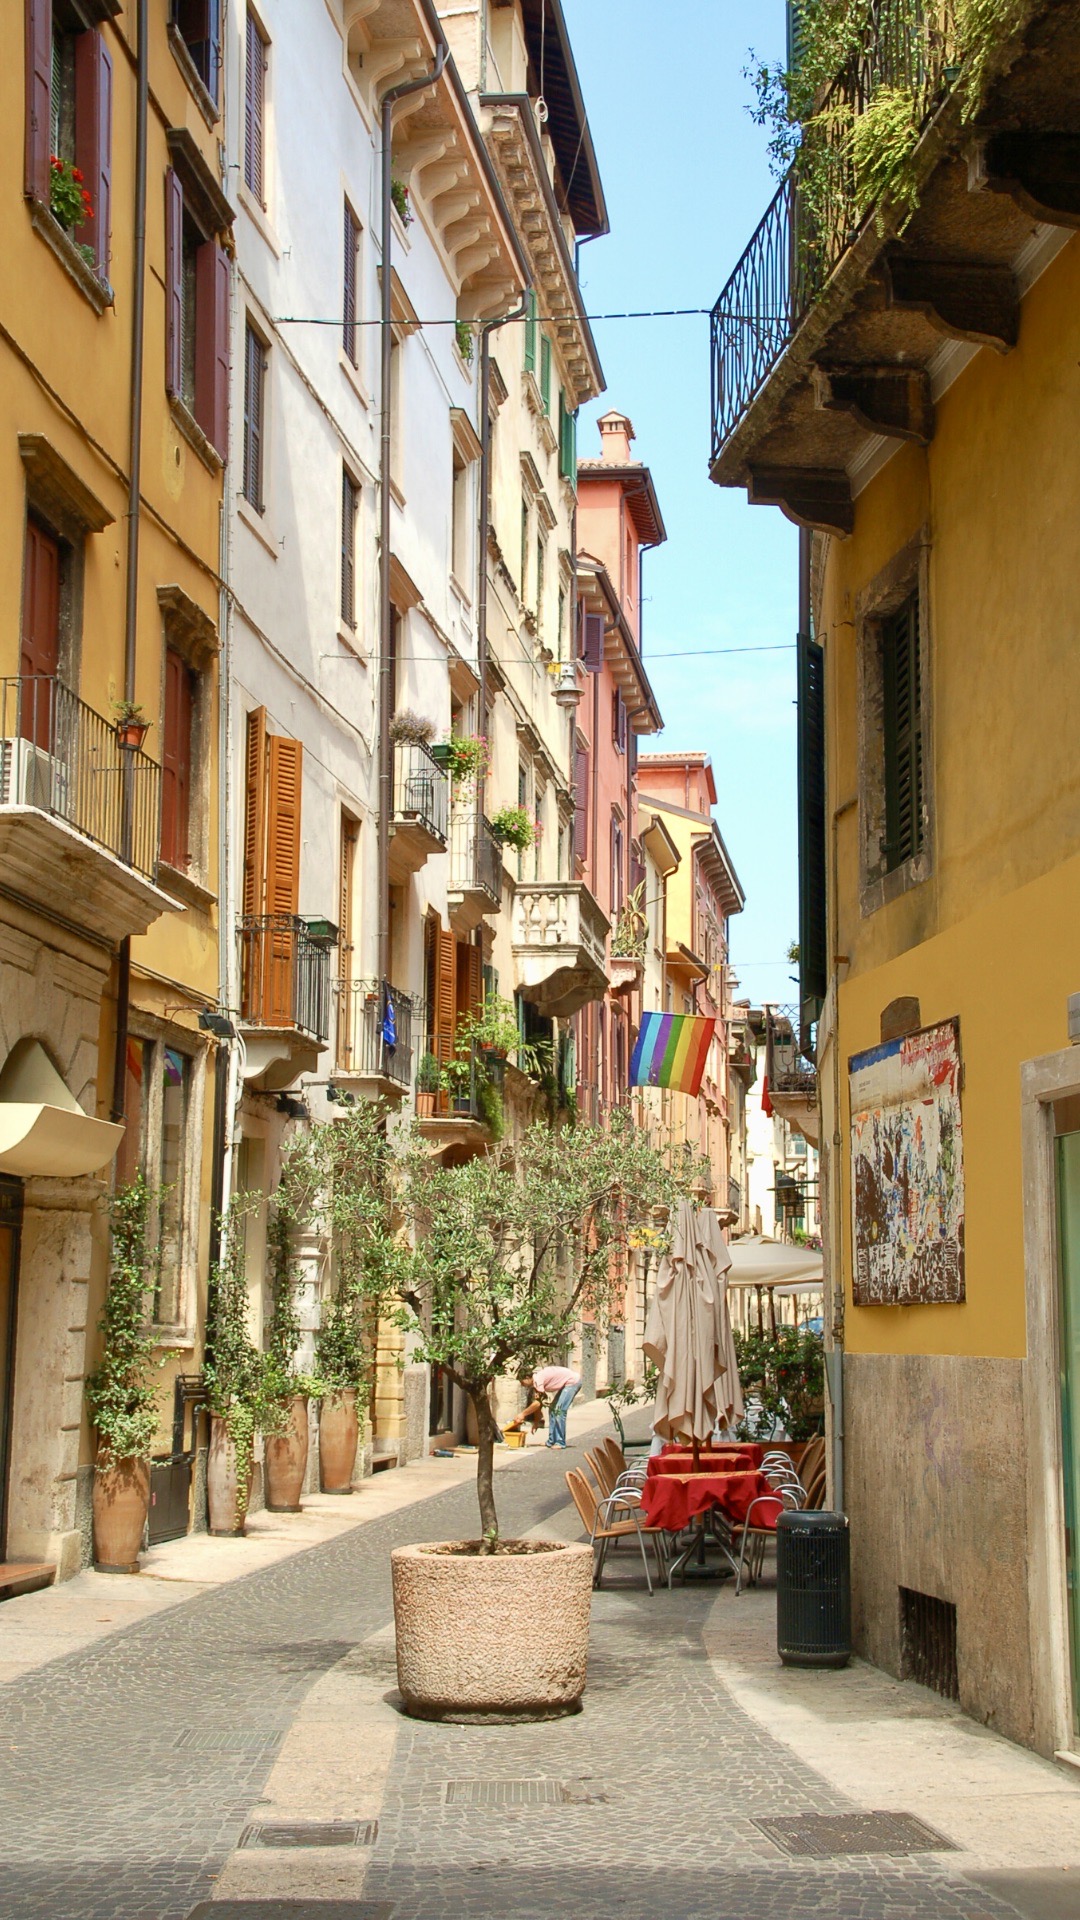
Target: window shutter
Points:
(255, 813)
(475, 979)
(285, 765)
(39, 652)
(350, 836)
(176, 760)
(254, 97)
(813, 958)
(198, 22)
(581, 804)
(38, 97)
(349, 303)
(445, 997)
(530, 334)
(348, 548)
(254, 380)
(212, 344)
(545, 372)
(902, 715)
(174, 282)
(593, 650)
(93, 139)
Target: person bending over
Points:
(562, 1383)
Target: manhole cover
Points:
(823, 1836)
(311, 1833)
(293, 1910)
(505, 1793)
(229, 1739)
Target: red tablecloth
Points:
(670, 1500)
(713, 1460)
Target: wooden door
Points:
(39, 649)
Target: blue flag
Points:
(389, 1025)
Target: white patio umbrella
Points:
(688, 1333)
(729, 1395)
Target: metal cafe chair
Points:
(599, 1519)
(760, 1532)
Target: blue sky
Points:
(687, 180)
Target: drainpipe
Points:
(486, 331)
(138, 311)
(386, 759)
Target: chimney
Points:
(616, 434)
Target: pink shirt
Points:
(551, 1379)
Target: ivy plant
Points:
(234, 1369)
(120, 1393)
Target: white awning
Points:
(43, 1129)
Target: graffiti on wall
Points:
(907, 1171)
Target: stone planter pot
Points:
(285, 1460)
(228, 1513)
(497, 1638)
(338, 1432)
(121, 1502)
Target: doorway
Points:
(1067, 1172)
(10, 1228)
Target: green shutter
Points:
(545, 372)
(567, 442)
(902, 716)
(813, 954)
(530, 334)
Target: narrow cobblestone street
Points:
(130, 1771)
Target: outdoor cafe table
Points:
(671, 1500)
(710, 1459)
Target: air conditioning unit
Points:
(31, 777)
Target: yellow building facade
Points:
(109, 587)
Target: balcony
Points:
(559, 938)
(375, 1034)
(476, 869)
(854, 306)
(78, 813)
(421, 810)
(284, 996)
(449, 1098)
(791, 1073)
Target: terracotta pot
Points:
(495, 1638)
(227, 1514)
(339, 1430)
(285, 1461)
(121, 1502)
(425, 1106)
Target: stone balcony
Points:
(560, 945)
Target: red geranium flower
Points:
(76, 175)
(58, 163)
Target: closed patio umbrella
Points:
(684, 1335)
(728, 1388)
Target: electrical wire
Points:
(643, 313)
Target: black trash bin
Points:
(813, 1589)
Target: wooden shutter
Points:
(176, 759)
(285, 765)
(212, 344)
(350, 835)
(813, 956)
(530, 334)
(198, 22)
(254, 98)
(174, 283)
(39, 648)
(545, 372)
(38, 97)
(902, 704)
(93, 139)
(254, 376)
(445, 997)
(581, 805)
(593, 651)
(469, 979)
(255, 813)
(349, 302)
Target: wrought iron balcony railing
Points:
(284, 975)
(788, 1068)
(421, 789)
(448, 1081)
(374, 1030)
(60, 757)
(910, 46)
(476, 861)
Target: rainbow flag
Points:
(671, 1051)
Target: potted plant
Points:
(286, 1390)
(399, 194)
(69, 201)
(464, 340)
(411, 729)
(464, 756)
(456, 1079)
(234, 1373)
(132, 725)
(120, 1393)
(511, 1250)
(512, 827)
(427, 1086)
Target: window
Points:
(176, 758)
(350, 502)
(561, 636)
(522, 584)
(538, 825)
(901, 676)
(545, 372)
(459, 557)
(255, 109)
(523, 803)
(350, 306)
(69, 80)
(567, 442)
(254, 406)
(541, 554)
(397, 423)
(197, 332)
(198, 22)
(617, 877)
(347, 896)
(531, 333)
(618, 721)
(273, 778)
(581, 804)
(158, 1142)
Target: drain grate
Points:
(229, 1739)
(506, 1793)
(293, 1910)
(825, 1836)
(311, 1833)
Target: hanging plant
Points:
(120, 1393)
(466, 344)
(513, 827)
(399, 194)
(465, 757)
(411, 729)
(631, 936)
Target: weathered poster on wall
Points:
(907, 1173)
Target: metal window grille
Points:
(928, 1642)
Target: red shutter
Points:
(581, 805)
(593, 651)
(38, 97)
(212, 344)
(174, 282)
(176, 760)
(93, 139)
(39, 650)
